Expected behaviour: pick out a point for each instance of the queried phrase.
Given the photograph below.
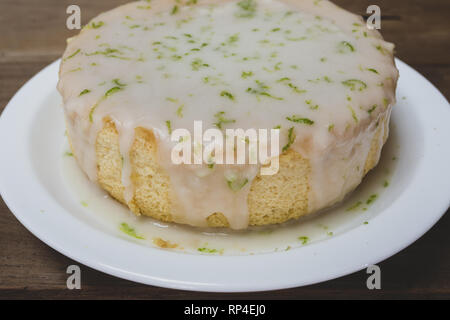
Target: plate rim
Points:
(87, 255)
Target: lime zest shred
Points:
(312, 106)
(107, 94)
(125, 228)
(246, 74)
(303, 239)
(175, 10)
(353, 113)
(94, 25)
(208, 250)
(180, 111)
(235, 183)
(345, 47)
(118, 83)
(169, 126)
(247, 9)
(227, 95)
(372, 198)
(221, 120)
(113, 90)
(262, 91)
(354, 84)
(196, 64)
(298, 119)
(291, 139)
(354, 207)
(85, 91)
(372, 109)
(73, 54)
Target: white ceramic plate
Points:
(31, 138)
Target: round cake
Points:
(306, 68)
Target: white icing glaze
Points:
(140, 63)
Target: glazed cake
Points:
(306, 67)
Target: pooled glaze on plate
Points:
(257, 63)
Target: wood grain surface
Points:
(33, 34)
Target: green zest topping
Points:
(296, 39)
(91, 113)
(284, 79)
(372, 198)
(85, 91)
(386, 184)
(247, 9)
(276, 67)
(381, 49)
(97, 25)
(125, 228)
(180, 111)
(174, 10)
(118, 83)
(246, 74)
(227, 94)
(73, 54)
(262, 91)
(144, 7)
(207, 250)
(196, 64)
(372, 70)
(75, 70)
(111, 91)
(221, 120)
(345, 47)
(355, 84)
(291, 139)
(68, 154)
(298, 119)
(235, 183)
(108, 93)
(312, 105)
(353, 113)
(291, 85)
(355, 206)
(234, 38)
(331, 127)
(169, 126)
(372, 109)
(109, 53)
(303, 239)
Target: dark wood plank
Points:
(30, 269)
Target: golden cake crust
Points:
(272, 199)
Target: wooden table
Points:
(33, 34)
